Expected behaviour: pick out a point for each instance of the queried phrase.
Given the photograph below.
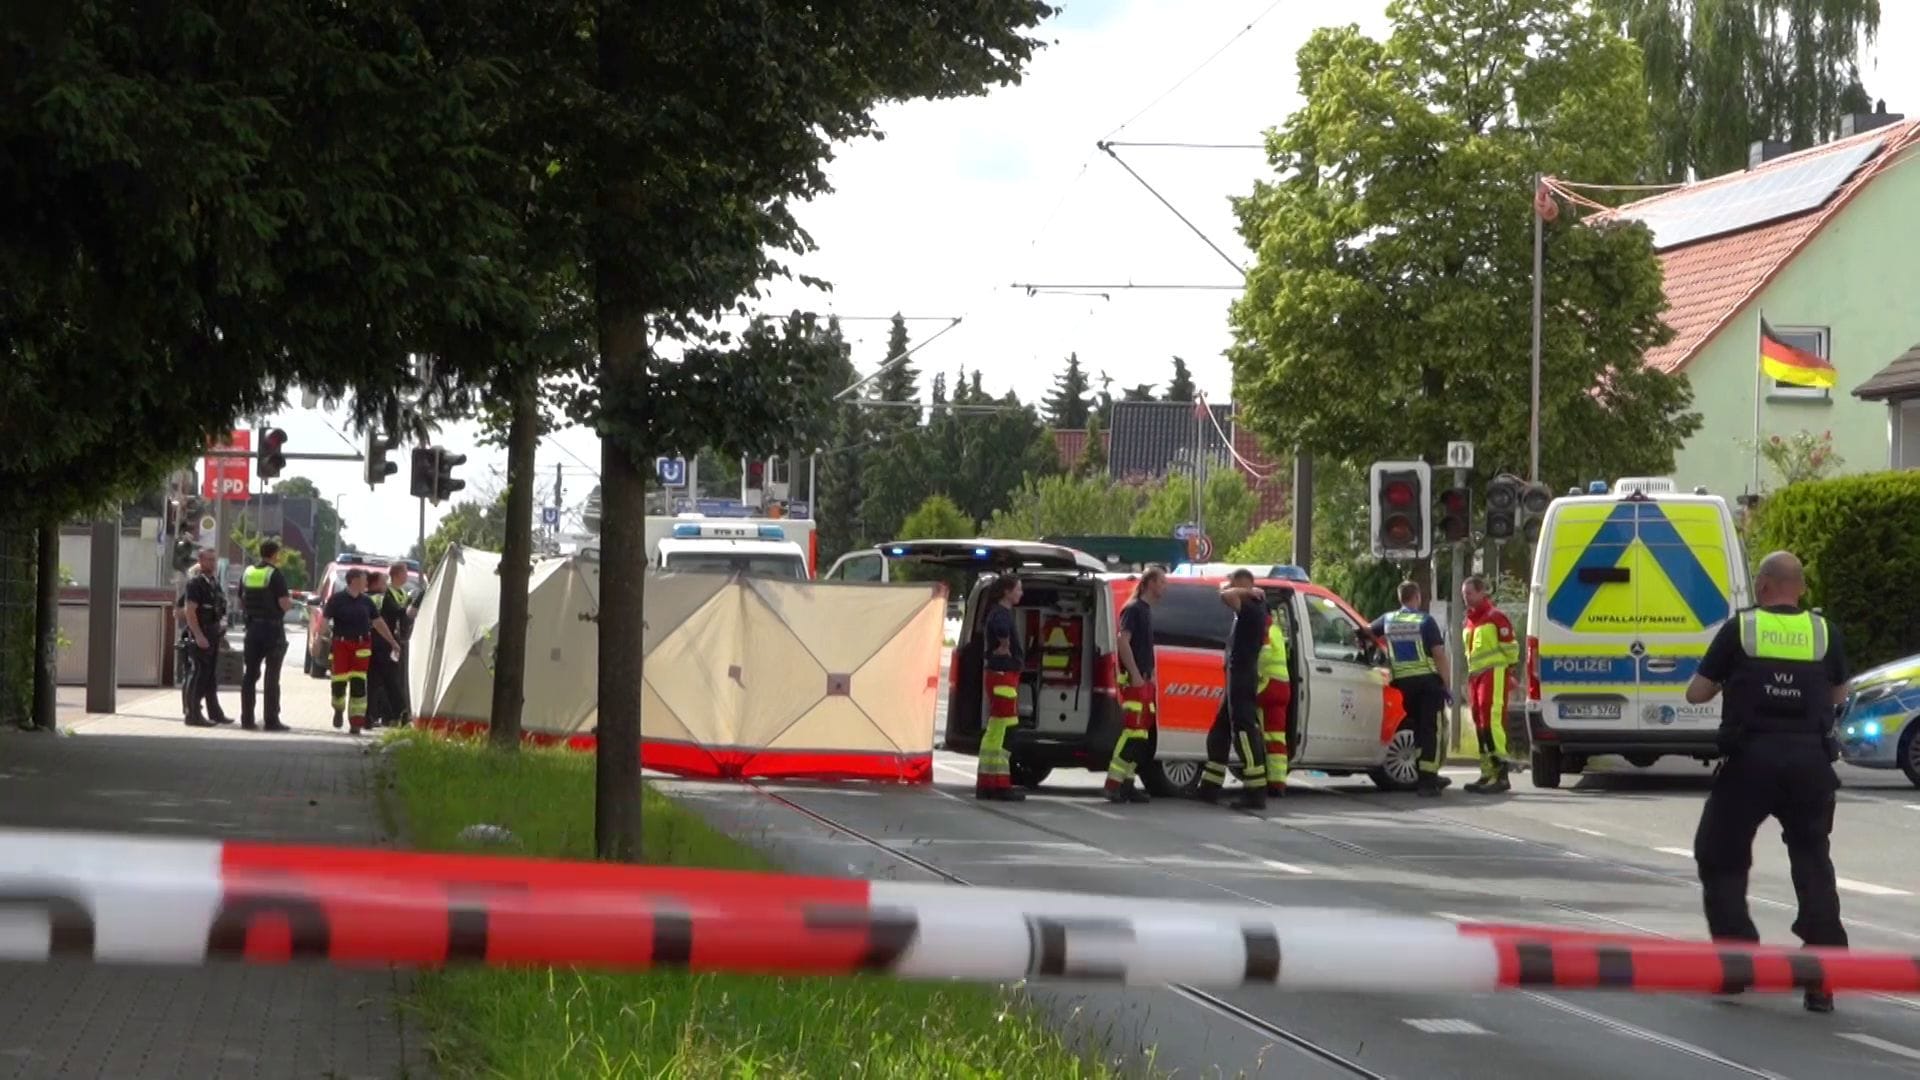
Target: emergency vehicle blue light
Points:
(1598, 487)
(1872, 728)
(979, 553)
(772, 532)
(898, 550)
(686, 532)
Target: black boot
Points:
(1209, 794)
(1252, 797)
(1818, 1001)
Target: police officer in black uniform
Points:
(265, 598)
(203, 619)
(1784, 676)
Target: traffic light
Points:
(378, 468)
(425, 471)
(273, 460)
(1534, 500)
(444, 485)
(1456, 518)
(1503, 507)
(1401, 493)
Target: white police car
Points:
(1877, 728)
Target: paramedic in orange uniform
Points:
(1492, 654)
(1139, 709)
(1002, 664)
(1275, 697)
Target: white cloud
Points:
(962, 198)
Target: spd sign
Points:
(227, 477)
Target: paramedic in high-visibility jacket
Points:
(1275, 698)
(1492, 655)
(1001, 665)
(1417, 657)
(1139, 704)
(1785, 677)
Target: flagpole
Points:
(1759, 383)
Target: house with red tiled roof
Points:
(1823, 243)
(1150, 438)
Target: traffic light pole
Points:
(1457, 656)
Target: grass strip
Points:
(565, 1023)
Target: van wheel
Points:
(1170, 779)
(1546, 767)
(1400, 770)
(1910, 752)
(1029, 775)
(1642, 761)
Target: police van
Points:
(1628, 588)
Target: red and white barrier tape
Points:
(130, 899)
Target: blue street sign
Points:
(549, 515)
(671, 470)
(1186, 531)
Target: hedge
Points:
(1859, 537)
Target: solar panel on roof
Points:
(1782, 191)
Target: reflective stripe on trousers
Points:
(1487, 695)
(1138, 711)
(1003, 715)
(1276, 703)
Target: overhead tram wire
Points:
(1033, 287)
(1107, 147)
(1197, 69)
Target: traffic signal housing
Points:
(1456, 515)
(273, 458)
(378, 468)
(425, 470)
(1503, 507)
(444, 485)
(1534, 500)
(1400, 493)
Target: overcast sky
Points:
(964, 198)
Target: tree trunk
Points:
(623, 583)
(516, 568)
(46, 627)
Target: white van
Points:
(1628, 589)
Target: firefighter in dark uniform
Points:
(1784, 676)
(387, 677)
(203, 614)
(1237, 725)
(265, 598)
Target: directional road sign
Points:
(671, 470)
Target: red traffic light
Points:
(1397, 493)
(1454, 501)
(1398, 530)
(272, 440)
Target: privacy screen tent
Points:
(745, 677)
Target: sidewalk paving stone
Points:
(141, 770)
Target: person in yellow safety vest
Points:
(1002, 663)
(1139, 710)
(1275, 697)
(1417, 657)
(1492, 655)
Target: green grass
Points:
(564, 1023)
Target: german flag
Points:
(1795, 367)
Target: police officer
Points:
(265, 599)
(1418, 658)
(203, 607)
(1240, 712)
(1139, 707)
(1784, 674)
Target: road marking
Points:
(1880, 1044)
(1094, 810)
(1451, 917)
(1270, 864)
(1578, 829)
(1913, 806)
(1869, 888)
(1685, 853)
(954, 769)
(1447, 1027)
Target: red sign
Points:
(228, 477)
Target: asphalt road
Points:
(1609, 851)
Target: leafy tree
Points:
(327, 524)
(293, 565)
(1228, 504)
(938, 395)
(899, 383)
(1181, 388)
(1064, 506)
(1066, 407)
(1389, 308)
(976, 458)
(937, 519)
(1272, 542)
(1093, 455)
(472, 523)
(838, 506)
(1722, 74)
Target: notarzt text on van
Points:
(1182, 689)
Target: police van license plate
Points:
(1589, 710)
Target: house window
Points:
(1816, 340)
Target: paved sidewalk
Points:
(142, 770)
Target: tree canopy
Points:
(1722, 74)
(1180, 387)
(1067, 405)
(1389, 307)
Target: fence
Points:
(17, 559)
